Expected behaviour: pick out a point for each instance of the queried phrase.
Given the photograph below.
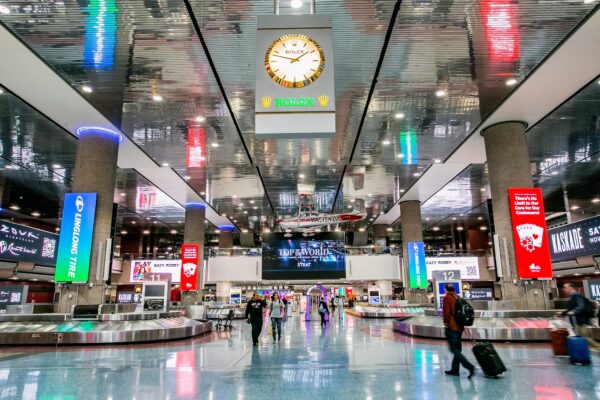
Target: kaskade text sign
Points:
(581, 238)
(190, 260)
(75, 243)
(529, 233)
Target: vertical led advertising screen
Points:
(417, 269)
(75, 242)
(322, 256)
(190, 260)
(529, 233)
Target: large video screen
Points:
(321, 256)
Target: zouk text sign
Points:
(190, 262)
(22, 243)
(76, 233)
(529, 233)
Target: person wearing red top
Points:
(454, 333)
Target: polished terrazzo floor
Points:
(350, 359)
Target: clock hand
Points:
(287, 58)
(299, 57)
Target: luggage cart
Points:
(225, 320)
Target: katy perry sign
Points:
(529, 233)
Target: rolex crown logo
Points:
(266, 101)
(294, 43)
(323, 100)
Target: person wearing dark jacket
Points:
(322, 311)
(254, 311)
(576, 306)
(454, 333)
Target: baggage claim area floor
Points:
(371, 175)
(350, 358)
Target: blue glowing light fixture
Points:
(100, 132)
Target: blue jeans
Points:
(276, 324)
(455, 344)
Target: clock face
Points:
(294, 61)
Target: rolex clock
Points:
(295, 96)
(294, 60)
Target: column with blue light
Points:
(95, 172)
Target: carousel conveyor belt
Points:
(100, 332)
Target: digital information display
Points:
(417, 268)
(321, 256)
(12, 295)
(581, 238)
(22, 243)
(76, 232)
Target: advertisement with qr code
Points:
(22, 243)
(468, 266)
(529, 233)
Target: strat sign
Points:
(529, 233)
(581, 238)
(76, 231)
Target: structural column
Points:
(193, 233)
(226, 236)
(95, 172)
(508, 166)
(412, 231)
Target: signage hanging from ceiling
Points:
(22, 243)
(581, 238)
(190, 265)
(171, 268)
(295, 95)
(76, 232)
(592, 289)
(417, 270)
(468, 266)
(529, 233)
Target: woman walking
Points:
(322, 311)
(277, 309)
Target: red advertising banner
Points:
(190, 265)
(530, 234)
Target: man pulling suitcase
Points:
(454, 332)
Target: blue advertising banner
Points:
(417, 269)
(75, 243)
(581, 238)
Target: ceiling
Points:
(413, 81)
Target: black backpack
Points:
(464, 314)
(590, 308)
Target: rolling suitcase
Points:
(559, 341)
(488, 359)
(579, 352)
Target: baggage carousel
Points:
(385, 312)
(61, 329)
(490, 325)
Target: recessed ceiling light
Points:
(440, 93)
(266, 230)
(416, 174)
(155, 222)
(202, 193)
(370, 194)
(554, 173)
(157, 97)
(361, 229)
(9, 166)
(548, 159)
(349, 206)
(123, 194)
(251, 201)
(35, 214)
(453, 218)
(480, 218)
(146, 232)
(390, 229)
(402, 190)
(296, 3)
(123, 232)
(147, 218)
(173, 232)
(165, 164)
(200, 119)
(400, 155)
(214, 144)
(483, 228)
(56, 166)
(56, 180)
(187, 177)
(459, 228)
(511, 82)
(482, 189)
(255, 208)
(399, 115)
(244, 230)
(427, 219)
(86, 89)
(225, 215)
(575, 208)
(589, 2)
(386, 142)
(301, 176)
(241, 205)
(436, 228)
(15, 207)
(437, 161)
(596, 200)
(1, 91)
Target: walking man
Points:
(454, 334)
(254, 314)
